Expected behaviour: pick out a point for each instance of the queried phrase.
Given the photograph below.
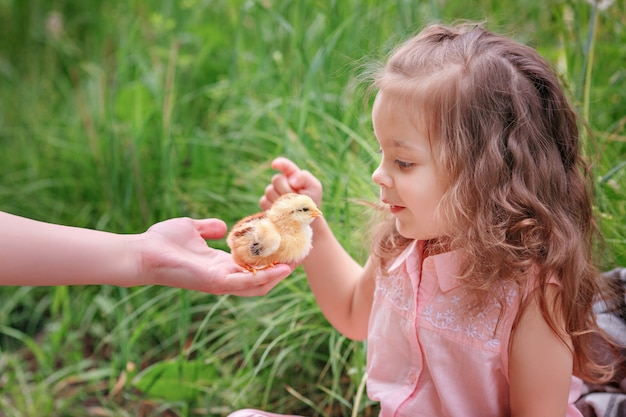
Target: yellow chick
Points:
(281, 234)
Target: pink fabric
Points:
(248, 412)
(426, 356)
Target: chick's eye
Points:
(304, 209)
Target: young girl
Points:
(476, 299)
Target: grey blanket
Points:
(609, 400)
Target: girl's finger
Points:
(286, 166)
(281, 184)
(269, 196)
(265, 203)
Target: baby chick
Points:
(281, 234)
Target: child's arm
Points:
(343, 288)
(540, 366)
(172, 253)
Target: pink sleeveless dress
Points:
(428, 357)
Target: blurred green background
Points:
(117, 114)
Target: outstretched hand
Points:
(175, 254)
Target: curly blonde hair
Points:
(519, 195)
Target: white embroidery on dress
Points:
(397, 290)
(445, 313)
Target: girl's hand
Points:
(291, 180)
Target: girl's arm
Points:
(342, 288)
(171, 253)
(540, 365)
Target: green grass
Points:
(138, 111)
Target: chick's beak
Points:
(316, 213)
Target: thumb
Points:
(211, 228)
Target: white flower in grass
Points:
(55, 25)
(601, 4)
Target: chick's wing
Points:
(253, 239)
(265, 239)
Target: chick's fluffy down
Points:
(280, 235)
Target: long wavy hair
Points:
(519, 194)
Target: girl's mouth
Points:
(395, 209)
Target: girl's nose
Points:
(380, 177)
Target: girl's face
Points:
(407, 177)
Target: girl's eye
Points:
(404, 165)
